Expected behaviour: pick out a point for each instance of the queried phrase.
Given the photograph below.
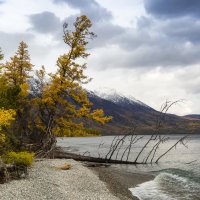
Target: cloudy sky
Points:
(149, 49)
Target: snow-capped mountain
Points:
(118, 98)
(127, 110)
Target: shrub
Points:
(85, 132)
(19, 158)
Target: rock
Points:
(65, 166)
(4, 175)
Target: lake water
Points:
(177, 175)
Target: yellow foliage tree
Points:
(63, 103)
(18, 68)
(66, 89)
(16, 72)
(59, 105)
(6, 116)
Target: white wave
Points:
(149, 191)
(167, 186)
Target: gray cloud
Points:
(168, 43)
(10, 41)
(173, 8)
(77, 3)
(164, 56)
(182, 29)
(107, 33)
(90, 8)
(148, 57)
(152, 43)
(45, 22)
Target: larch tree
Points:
(6, 116)
(63, 103)
(12, 71)
(8, 92)
(18, 69)
(16, 73)
(24, 64)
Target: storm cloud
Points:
(90, 8)
(49, 23)
(45, 22)
(173, 8)
(151, 42)
(155, 41)
(164, 44)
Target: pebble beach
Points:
(47, 181)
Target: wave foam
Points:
(167, 186)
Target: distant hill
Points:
(192, 117)
(128, 110)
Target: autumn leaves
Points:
(48, 105)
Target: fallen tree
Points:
(59, 153)
(149, 150)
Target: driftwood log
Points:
(59, 153)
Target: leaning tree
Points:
(61, 104)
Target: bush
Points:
(19, 158)
(85, 132)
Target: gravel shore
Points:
(46, 181)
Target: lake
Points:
(177, 175)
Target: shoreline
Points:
(46, 180)
(119, 181)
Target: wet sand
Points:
(118, 181)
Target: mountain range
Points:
(128, 112)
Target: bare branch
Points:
(173, 146)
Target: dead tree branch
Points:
(181, 140)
